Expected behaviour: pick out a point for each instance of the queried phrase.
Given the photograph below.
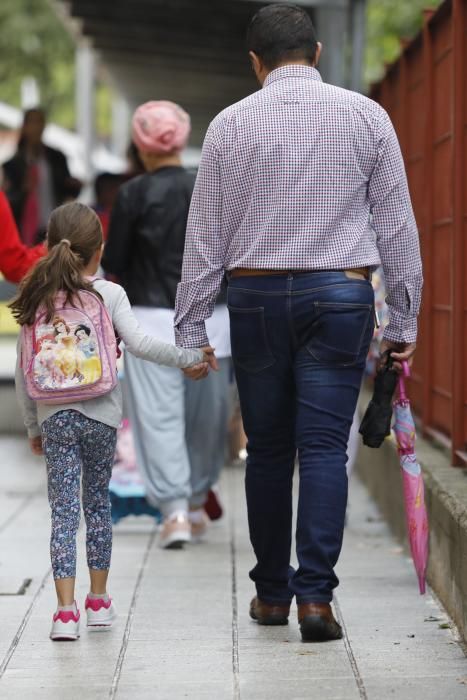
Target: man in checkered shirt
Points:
(301, 192)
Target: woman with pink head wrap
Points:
(160, 128)
(144, 250)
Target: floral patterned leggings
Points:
(73, 445)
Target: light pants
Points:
(353, 445)
(180, 430)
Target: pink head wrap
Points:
(160, 127)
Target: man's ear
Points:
(256, 63)
(319, 48)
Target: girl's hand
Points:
(201, 370)
(210, 358)
(36, 445)
(196, 372)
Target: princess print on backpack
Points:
(87, 344)
(64, 364)
(72, 356)
(67, 388)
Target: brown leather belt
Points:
(354, 272)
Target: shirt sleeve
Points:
(16, 259)
(203, 261)
(396, 236)
(147, 347)
(27, 406)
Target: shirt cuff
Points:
(401, 329)
(34, 431)
(191, 335)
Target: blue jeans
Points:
(299, 344)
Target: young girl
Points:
(80, 438)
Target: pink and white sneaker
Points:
(100, 612)
(65, 625)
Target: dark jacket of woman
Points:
(15, 172)
(146, 235)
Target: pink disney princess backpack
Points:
(73, 356)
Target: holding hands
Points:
(201, 370)
(35, 444)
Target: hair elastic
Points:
(66, 241)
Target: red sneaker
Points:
(213, 505)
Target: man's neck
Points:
(285, 65)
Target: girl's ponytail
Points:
(74, 235)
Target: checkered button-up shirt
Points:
(301, 175)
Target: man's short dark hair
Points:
(278, 33)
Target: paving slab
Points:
(183, 629)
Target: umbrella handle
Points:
(405, 373)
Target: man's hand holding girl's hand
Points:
(35, 444)
(201, 370)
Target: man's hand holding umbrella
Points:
(400, 352)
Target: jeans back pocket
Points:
(341, 331)
(248, 334)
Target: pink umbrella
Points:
(414, 492)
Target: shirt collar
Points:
(292, 71)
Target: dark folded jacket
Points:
(376, 423)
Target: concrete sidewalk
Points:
(183, 630)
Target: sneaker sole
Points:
(104, 624)
(175, 544)
(64, 637)
(176, 541)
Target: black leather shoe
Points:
(317, 623)
(266, 614)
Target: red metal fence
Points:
(425, 93)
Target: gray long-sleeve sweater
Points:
(108, 408)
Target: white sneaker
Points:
(199, 522)
(100, 612)
(65, 625)
(176, 531)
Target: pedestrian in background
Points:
(15, 257)
(105, 193)
(179, 450)
(287, 182)
(36, 179)
(78, 437)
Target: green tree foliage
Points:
(33, 42)
(389, 21)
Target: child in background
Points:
(79, 438)
(105, 191)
